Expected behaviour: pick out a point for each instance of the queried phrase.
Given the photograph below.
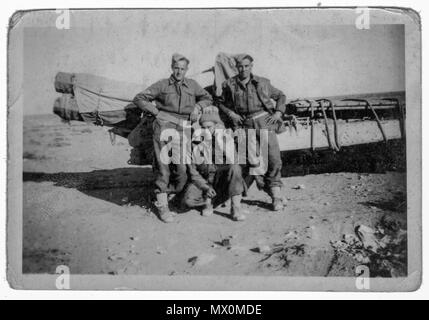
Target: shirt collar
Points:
(172, 80)
(253, 79)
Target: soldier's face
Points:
(210, 125)
(179, 69)
(244, 68)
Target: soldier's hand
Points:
(235, 117)
(195, 115)
(211, 193)
(276, 117)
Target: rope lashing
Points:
(331, 143)
(334, 116)
(98, 120)
(369, 105)
(312, 124)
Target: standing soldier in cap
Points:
(246, 100)
(178, 100)
(212, 184)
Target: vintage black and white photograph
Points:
(203, 149)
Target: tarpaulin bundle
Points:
(66, 108)
(64, 82)
(225, 68)
(99, 100)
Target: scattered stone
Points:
(299, 186)
(264, 249)
(226, 242)
(115, 257)
(160, 250)
(350, 239)
(201, 260)
(367, 237)
(290, 234)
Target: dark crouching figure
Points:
(178, 101)
(246, 101)
(212, 184)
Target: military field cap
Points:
(210, 113)
(177, 57)
(240, 57)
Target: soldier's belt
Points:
(165, 116)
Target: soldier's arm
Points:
(144, 99)
(197, 179)
(225, 102)
(203, 98)
(279, 97)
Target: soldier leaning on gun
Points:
(178, 100)
(246, 100)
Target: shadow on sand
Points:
(134, 186)
(120, 186)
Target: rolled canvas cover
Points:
(66, 108)
(64, 82)
(100, 100)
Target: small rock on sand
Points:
(160, 250)
(115, 257)
(201, 260)
(299, 186)
(264, 249)
(367, 237)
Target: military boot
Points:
(164, 212)
(236, 211)
(277, 198)
(208, 208)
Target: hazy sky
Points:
(302, 60)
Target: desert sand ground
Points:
(85, 207)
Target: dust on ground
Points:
(86, 208)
